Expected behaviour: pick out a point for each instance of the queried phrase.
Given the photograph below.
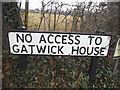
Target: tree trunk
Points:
(26, 13)
(11, 21)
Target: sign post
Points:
(93, 68)
(22, 59)
(93, 65)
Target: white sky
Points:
(33, 4)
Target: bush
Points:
(57, 72)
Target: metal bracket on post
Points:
(93, 64)
(22, 59)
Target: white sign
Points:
(58, 43)
(117, 50)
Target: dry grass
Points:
(34, 20)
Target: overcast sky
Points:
(33, 4)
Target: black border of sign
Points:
(28, 31)
(56, 32)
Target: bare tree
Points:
(84, 17)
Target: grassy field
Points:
(34, 20)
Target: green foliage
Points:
(57, 72)
(105, 77)
(11, 14)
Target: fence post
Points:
(93, 64)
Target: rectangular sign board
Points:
(58, 43)
(117, 50)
